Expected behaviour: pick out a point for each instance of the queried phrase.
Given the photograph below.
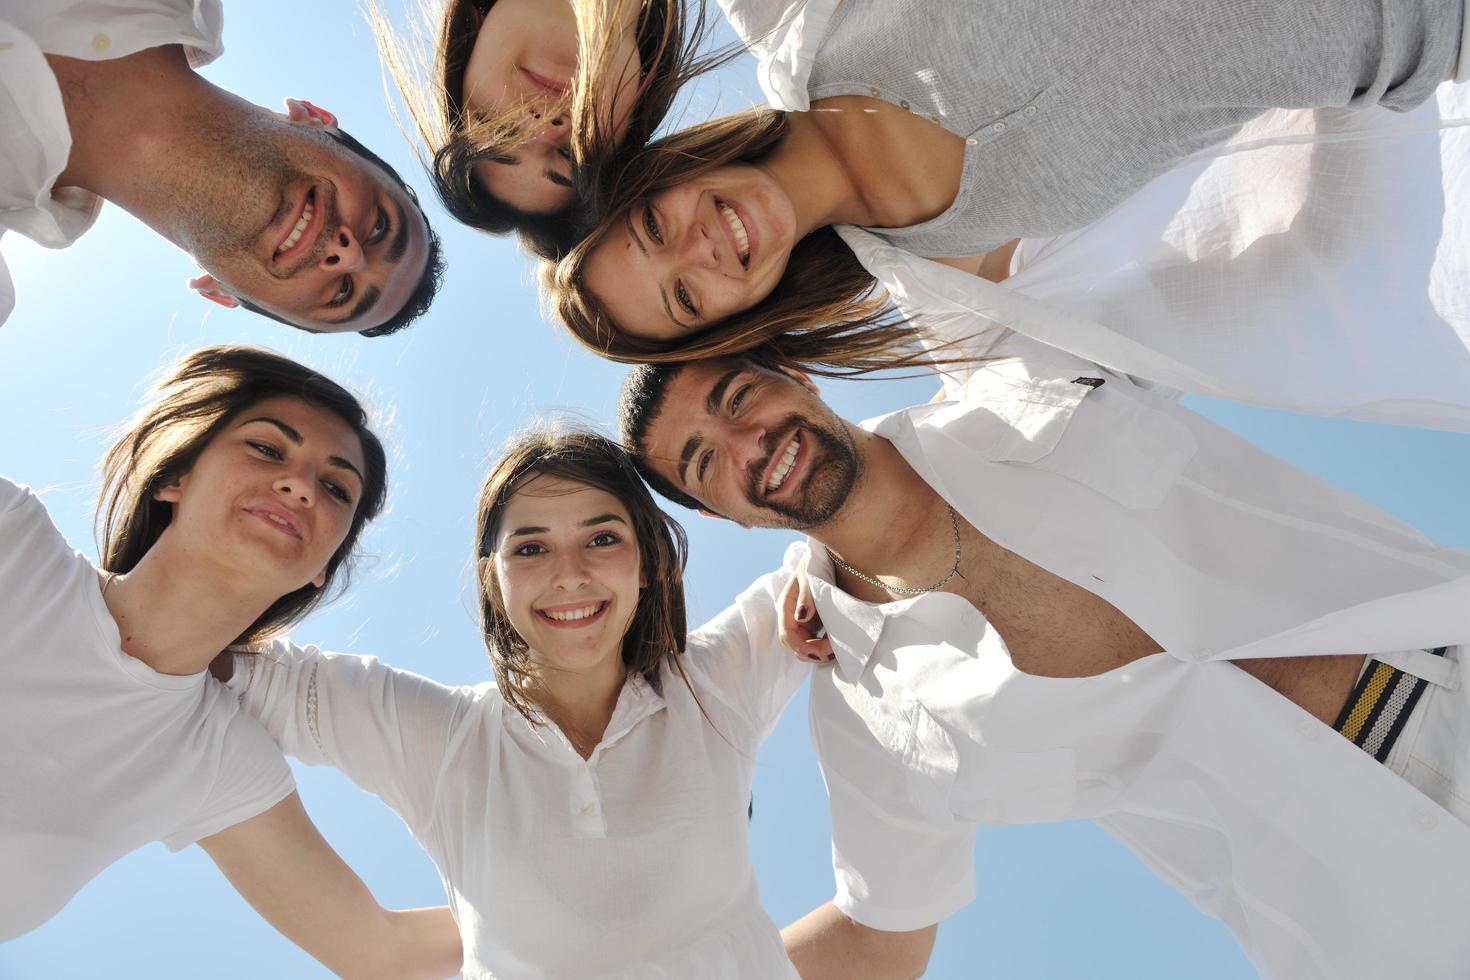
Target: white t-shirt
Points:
(37, 140)
(632, 864)
(100, 754)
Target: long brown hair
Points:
(430, 78)
(191, 404)
(658, 627)
(826, 316)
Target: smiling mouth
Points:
(276, 520)
(784, 465)
(574, 616)
(293, 243)
(737, 229)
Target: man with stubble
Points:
(1058, 595)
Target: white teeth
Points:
(297, 232)
(742, 240)
(570, 615)
(784, 467)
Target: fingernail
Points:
(831, 657)
(814, 657)
(801, 612)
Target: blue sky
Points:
(94, 321)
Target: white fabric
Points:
(635, 863)
(101, 753)
(1433, 749)
(37, 140)
(1217, 550)
(784, 36)
(1320, 262)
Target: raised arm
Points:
(282, 866)
(827, 945)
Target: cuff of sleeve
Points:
(889, 919)
(223, 821)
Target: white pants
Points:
(1433, 750)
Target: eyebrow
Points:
(548, 173)
(662, 294)
(589, 522)
(296, 438)
(712, 407)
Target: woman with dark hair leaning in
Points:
(1265, 270)
(230, 508)
(588, 809)
(518, 98)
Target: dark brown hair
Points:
(430, 78)
(192, 403)
(658, 627)
(826, 316)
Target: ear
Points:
(171, 493)
(211, 289)
(801, 378)
(485, 572)
(719, 517)
(308, 114)
(320, 580)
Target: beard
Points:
(230, 191)
(832, 470)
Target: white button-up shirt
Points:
(1321, 861)
(1320, 262)
(634, 863)
(37, 140)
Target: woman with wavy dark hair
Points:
(1310, 228)
(230, 507)
(519, 103)
(587, 810)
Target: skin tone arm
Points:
(282, 866)
(825, 944)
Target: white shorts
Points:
(1433, 750)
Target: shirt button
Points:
(999, 127)
(874, 92)
(101, 42)
(1030, 110)
(1424, 817)
(588, 809)
(971, 141)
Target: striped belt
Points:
(1379, 706)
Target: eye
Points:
(650, 225)
(343, 293)
(738, 398)
(682, 295)
(337, 491)
(379, 229)
(265, 449)
(703, 465)
(528, 550)
(565, 153)
(604, 538)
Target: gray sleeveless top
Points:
(1068, 106)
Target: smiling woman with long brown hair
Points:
(588, 809)
(230, 507)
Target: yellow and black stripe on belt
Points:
(1379, 706)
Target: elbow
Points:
(904, 956)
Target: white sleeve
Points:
(252, 778)
(740, 660)
(901, 859)
(385, 729)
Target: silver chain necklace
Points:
(954, 522)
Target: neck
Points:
(808, 167)
(176, 614)
(581, 703)
(133, 120)
(887, 494)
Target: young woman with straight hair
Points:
(588, 809)
(230, 508)
(1265, 269)
(515, 100)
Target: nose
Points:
(299, 488)
(748, 441)
(344, 253)
(569, 569)
(698, 247)
(553, 128)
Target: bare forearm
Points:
(825, 944)
(429, 940)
